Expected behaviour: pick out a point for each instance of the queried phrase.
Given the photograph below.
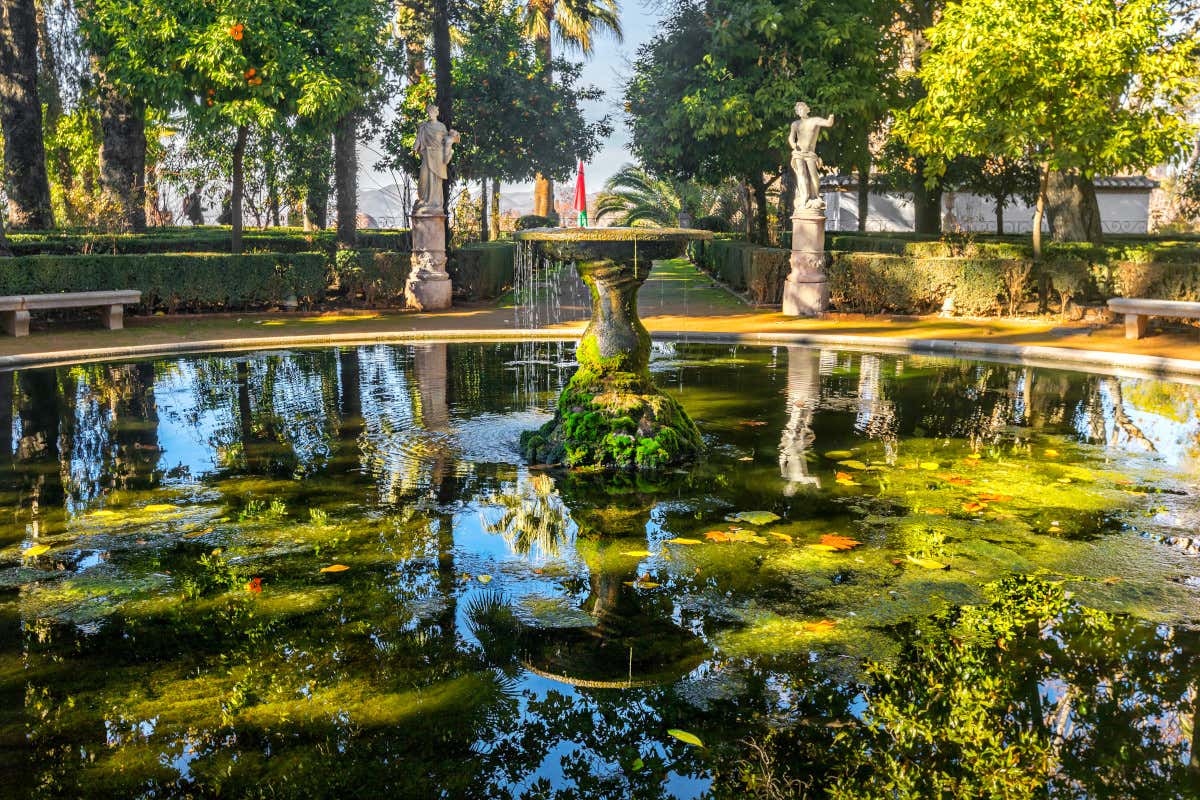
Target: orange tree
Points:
(243, 64)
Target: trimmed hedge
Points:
(193, 281)
(377, 275)
(482, 271)
(198, 240)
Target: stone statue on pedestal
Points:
(803, 140)
(435, 146)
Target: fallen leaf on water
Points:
(973, 507)
(484, 578)
(717, 536)
(988, 497)
(201, 532)
(848, 482)
(821, 626)
(746, 536)
(756, 517)
(1050, 453)
(936, 512)
(752, 423)
(103, 512)
(637, 765)
(746, 458)
(636, 553)
(683, 540)
(160, 508)
(853, 464)
(1064, 479)
(956, 480)
(839, 542)
(843, 476)
(973, 456)
(335, 568)
(641, 584)
(783, 536)
(828, 548)
(1111, 580)
(929, 466)
(837, 455)
(35, 551)
(685, 737)
(254, 585)
(927, 563)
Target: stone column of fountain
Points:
(428, 286)
(806, 291)
(611, 414)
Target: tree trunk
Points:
(25, 179)
(760, 209)
(123, 155)
(1072, 208)
(442, 80)
(272, 180)
(483, 210)
(345, 167)
(239, 188)
(927, 202)
(1000, 214)
(864, 194)
(1039, 213)
(496, 207)
(543, 187)
(4, 249)
(787, 203)
(316, 195)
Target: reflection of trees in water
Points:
(532, 519)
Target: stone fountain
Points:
(611, 415)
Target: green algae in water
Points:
(179, 638)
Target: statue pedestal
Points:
(806, 291)
(428, 286)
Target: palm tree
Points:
(633, 196)
(576, 23)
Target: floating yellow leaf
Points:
(828, 548)
(837, 455)
(103, 512)
(1064, 479)
(717, 536)
(973, 456)
(201, 532)
(927, 563)
(746, 536)
(641, 584)
(988, 497)
(685, 737)
(160, 508)
(484, 578)
(974, 507)
(1051, 453)
(637, 553)
(821, 626)
(852, 464)
(683, 540)
(929, 466)
(335, 568)
(956, 480)
(36, 550)
(783, 536)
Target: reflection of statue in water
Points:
(435, 146)
(803, 140)
(803, 397)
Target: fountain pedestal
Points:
(611, 415)
(806, 291)
(428, 286)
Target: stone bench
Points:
(1137, 310)
(14, 309)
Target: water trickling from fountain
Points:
(545, 293)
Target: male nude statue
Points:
(803, 139)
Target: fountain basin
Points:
(611, 415)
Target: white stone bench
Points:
(14, 309)
(1137, 310)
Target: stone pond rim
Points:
(611, 415)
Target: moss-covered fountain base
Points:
(611, 415)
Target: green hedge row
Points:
(994, 281)
(170, 282)
(374, 277)
(198, 240)
(482, 271)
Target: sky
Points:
(606, 68)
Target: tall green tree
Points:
(575, 24)
(713, 96)
(1081, 87)
(25, 179)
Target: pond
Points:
(327, 572)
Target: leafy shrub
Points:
(713, 223)
(377, 276)
(1168, 280)
(482, 271)
(534, 221)
(1068, 277)
(192, 281)
(197, 240)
